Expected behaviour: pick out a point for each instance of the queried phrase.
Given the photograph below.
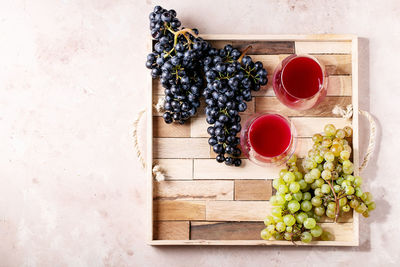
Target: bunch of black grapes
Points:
(231, 76)
(176, 59)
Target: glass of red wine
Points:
(300, 82)
(268, 139)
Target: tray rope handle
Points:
(348, 113)
(158, 173)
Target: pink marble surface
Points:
(71, 81)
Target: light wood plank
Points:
(237, 210)
(175, 210)
(323, 109)
(248, 211)
(194, 190)
(181, 148)
(210, 169)
(305, 47)
(169, 230)
(307, 127)
(161, 129)
(351, 243)
(258, 47)
(176, 169)
(334, 64)
(253, 189)
(251, 230)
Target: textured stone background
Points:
(71, 81)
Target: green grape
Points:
(278, 236)
(326, 236)
(315, 173)
(282, 173)
(277, 219)
(316, 231)
(331, 214)
(310, 214)
(344, 155)
(325, 189)
(319, 210)
(309, 223)
(336, 149)
(342, 202)
(298, 175)
(346, 208)
(326, 142)
(365, 214)
(288, 197)
(357, 181)
(269, 220)
(361, 208)
(306, 196)
(320, 167)
(369, 198)
(289, 177)
(289, 229)
(345, 142)
(265, 234)
(347, 164)
(271, 228)
(316, 201)
(280, 226)
(282, 189)
(287, 236)
(331, 206)
(371, 206)
(347, 148)
(318, 192)
(346, 183)
(318, 159)
(339, 168)
(330, 130)
(349, 190)
(289, 220)
(337, 141)
(311, 153)
(276, 211)
(319, 182)
(329, 166)
(348, 170)
(280, 200)
(298, 196)
(306, 237)
(310, 164)
(308, 188)
(364, 197)
(358, 192)
(339, 180)
(272, 200)
(306, 205)
(293, 206)
(317, 138)
(354, 203)
(277, 182)
(293, 169)
(340, 134)
(329, 156)
(350, 178)
(294, 187)
(303, 184)
(337, 188)
(301, 217)
(348, 130)
(308, 178)
(326, 175)
(293, 159)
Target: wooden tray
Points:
(203, 202)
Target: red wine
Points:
(302, 77)
(269, 135)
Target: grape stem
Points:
(176, 35)
(336, 200)
(243, 53)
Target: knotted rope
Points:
(348, 113)
(158, 173)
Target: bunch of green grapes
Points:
(292, 217)
(329, 172)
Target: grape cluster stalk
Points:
(326, 188)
